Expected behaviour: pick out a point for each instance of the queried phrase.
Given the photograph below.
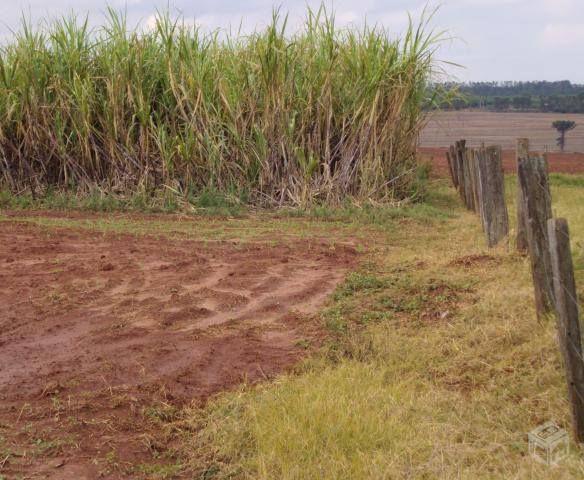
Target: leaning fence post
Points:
(474, 179)
(449, 159)
(536, 197)
(467, 184)
(493, 209)
(454, 163)
(521, 152)
(460, 146)
(477, 153)
(566, 304)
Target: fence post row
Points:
(494, 208)
(537, 205)
(477, 174)
(567, 319)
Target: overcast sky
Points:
(494, 39)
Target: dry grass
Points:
(436, 366)
(438, 369)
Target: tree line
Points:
(542, 96)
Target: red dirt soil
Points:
(98, 330)
(558, 162)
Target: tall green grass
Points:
(316, 115)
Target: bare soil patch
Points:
(475, 259)
(101, 333)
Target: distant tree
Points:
(560, 97)
(522, 102)
(563, 126)
(501, 103)
(516, 101)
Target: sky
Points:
(491, 40)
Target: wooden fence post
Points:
(450, 157)
(474, 175)
(521, 152)
(536, 198)
(460, 147)
(493, 209)
(468, 184)
(454, 160)
(478, 154)
(566, 304)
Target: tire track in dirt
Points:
(106, 325)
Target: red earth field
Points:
(492, 128)
(558, 162)
(100, 333)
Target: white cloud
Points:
(496, 39)
(560, 8)
(495, 3)
(150, 22)
(397, 20)
(558, 35)
(125, 3)
(211, 22)
(346, 17)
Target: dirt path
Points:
(100, 334)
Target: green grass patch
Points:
(565, 180)
(208, 202)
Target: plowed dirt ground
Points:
(100, 331)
